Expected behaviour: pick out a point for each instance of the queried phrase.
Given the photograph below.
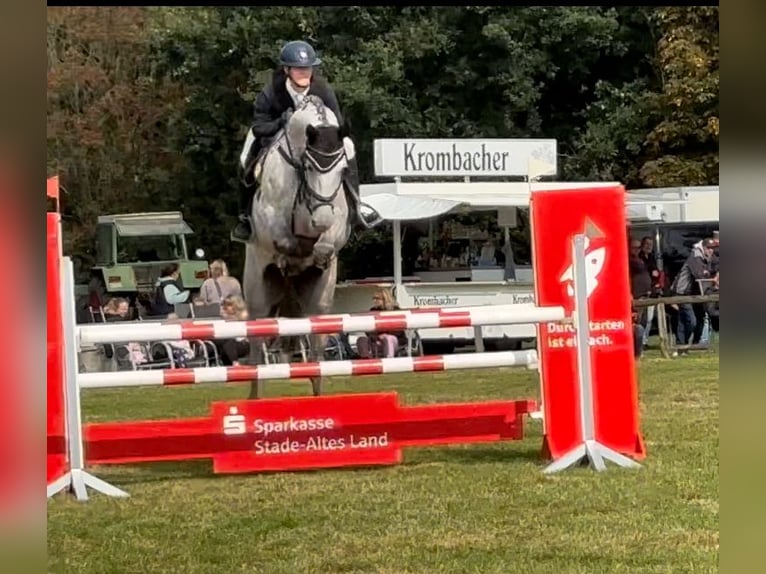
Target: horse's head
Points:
(325, 159)
(320, 150)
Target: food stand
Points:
(458, 265)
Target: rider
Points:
(293, 80)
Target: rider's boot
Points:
(365, 215)
(243, 230)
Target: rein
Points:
(306, 194)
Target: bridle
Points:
(316, 160)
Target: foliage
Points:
(685, 141)
(110, 117)
(148, 107)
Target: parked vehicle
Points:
(131, 251)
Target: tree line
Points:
(148, 106)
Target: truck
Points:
(133, 248)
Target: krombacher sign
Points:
(464, 157)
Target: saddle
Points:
(253, 162)
(253, 169)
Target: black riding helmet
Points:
(298, 54)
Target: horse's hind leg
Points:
(317, 345)
(317, 290)
(261, 295)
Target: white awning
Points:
(412, 201)
(409, 207)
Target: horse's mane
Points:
(311, 111)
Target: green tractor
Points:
(131, 251)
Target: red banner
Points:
(56, 460)
(305, 433)
(557, 216)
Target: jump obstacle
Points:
(585, 361)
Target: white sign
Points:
(464, 157)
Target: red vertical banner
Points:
(56, 425)
(556, 217)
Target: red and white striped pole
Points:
(325, 325)
(358, 367)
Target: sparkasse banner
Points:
(463, 157)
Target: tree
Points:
(148, 107)
(684, 144)
(110, 117)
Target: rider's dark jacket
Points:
(274, 100)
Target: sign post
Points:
(76, 478)
(55, 419)
(415, 157)
(590, 448)
(601, 300)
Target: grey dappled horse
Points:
(301, 219)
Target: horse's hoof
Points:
(281, 262)
(323, 255)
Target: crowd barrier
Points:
(584, 357)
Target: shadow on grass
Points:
(149, 472)
(474, 455)
(154, 472)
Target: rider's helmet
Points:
(298, 54)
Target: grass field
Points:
(480, 508)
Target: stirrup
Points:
(247, 221)
(368, 216)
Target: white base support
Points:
(79, 480)
(595, 453)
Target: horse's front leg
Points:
(329, 244)
(275, 229)
(284, 240)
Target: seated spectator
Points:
(387, 342)
(233, 308)
(219, 284)
(116, 309)
(182, 350)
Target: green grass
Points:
(468, 509)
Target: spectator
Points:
(388, 342)
(640, 286)
(116, 309)
(233, 308)
(219, 284)
(638, 333)
(697, 266)
(182, 350)
(169, 291)
(649, 258)
(712, 308)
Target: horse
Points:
(301, 218)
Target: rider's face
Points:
(301, 77)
